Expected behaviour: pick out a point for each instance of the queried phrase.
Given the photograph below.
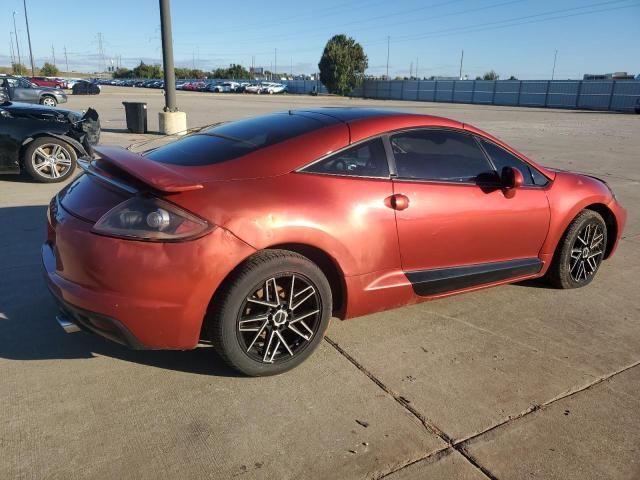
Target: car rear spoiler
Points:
(154, 174)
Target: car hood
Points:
(40, 112)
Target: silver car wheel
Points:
(49, 102)
(51, 160)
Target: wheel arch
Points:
(611, 223)
(77, 146)
(330, 268)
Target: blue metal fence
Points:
(619, 95)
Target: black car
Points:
(45, 141)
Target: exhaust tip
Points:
(67, 325)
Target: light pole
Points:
(170, 119)
(26, 19)
(15, 32)
(553, 72)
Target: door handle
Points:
(397, 201)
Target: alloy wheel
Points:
(587, 252)
(51, 160)
(49, 102)
(279, 319)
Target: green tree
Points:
(19, 68)
(342, 64)
(512, 78)
(491, 75)
(147, 71)
(123, 73)
(235, 71)
(49, 70)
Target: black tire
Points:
(49, 100)
(30, 160)
(572, 251)
(232, 305)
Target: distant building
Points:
(608, 76)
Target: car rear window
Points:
(233, 140)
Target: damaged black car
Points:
(45, 142)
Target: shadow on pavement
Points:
(28, 330)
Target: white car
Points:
(70, 82)
(226, 87)
(253, 88)
(270, 87)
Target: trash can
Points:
(136, 113)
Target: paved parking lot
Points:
(520, 381)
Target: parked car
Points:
(253, 88)
(358, 211)
(83, 87)
(19, 89)
(44, 141)
(47, 82)
(225, 87)
(271, 87)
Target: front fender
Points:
(570, 194)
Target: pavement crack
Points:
(428, 425)
(533, 408)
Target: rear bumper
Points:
(73, 319)
(141, 294)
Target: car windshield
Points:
(233, 140)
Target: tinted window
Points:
(366, 159)
(235, 139)
(438, 155)
(501, 158)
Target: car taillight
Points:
(151, 219)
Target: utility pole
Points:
(15, 32)
(275, 62)
(171, 120)
(26, 19)
(411, 70)
(388, 46)
(461, 59)
(66, 59)
(101, 51)
(13, 58)
(553, 72)
(53, 54)
(291, 71)
(417, 60)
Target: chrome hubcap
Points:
(280, 318)
(587, 252)
(51, 160)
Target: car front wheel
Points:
(580, 251)
(49, 160)
(271, 314)
(49, 101)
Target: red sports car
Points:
(252, 234)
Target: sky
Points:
(512, 37)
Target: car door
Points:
(20, 90)
(457, 226)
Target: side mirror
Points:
(511, 177)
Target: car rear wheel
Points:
(49, 160)
(271, 314)
(49, 101)
(580, 251)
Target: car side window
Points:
(367, 159)
(501, 158)
(439, 155)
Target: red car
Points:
(252, 234)
(47, 82)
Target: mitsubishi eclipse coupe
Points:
(250, 235)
